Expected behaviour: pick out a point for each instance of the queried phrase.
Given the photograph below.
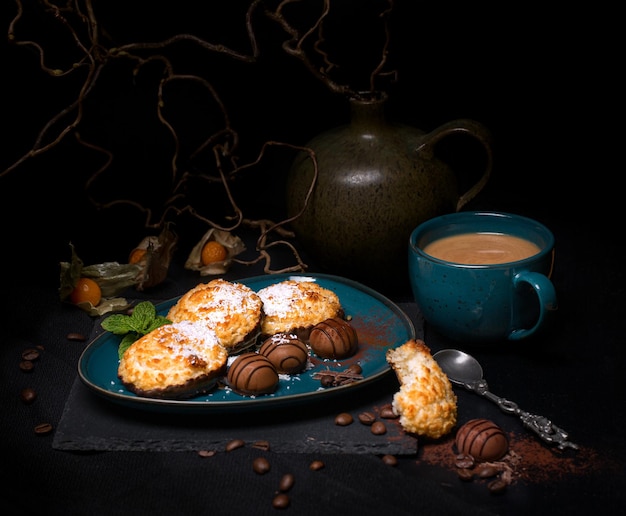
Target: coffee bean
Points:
(28, 395)
(464, 461)
(234, 444)
(261, 445)
(465, 474)
(386, 412)
(316, 465)
(281, 501)
(496, 486)
(286, 482)
(344, 419)
(27, 366)
(207, 453)
(261, 465)
(43, 428)
(30, 354)
(390, 460)
(354, 368)
(486, 471)
(77, 337)
(327, 381)
(367, 418)
(379, 428)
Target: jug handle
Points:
(472, 128)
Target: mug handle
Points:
(546, 296)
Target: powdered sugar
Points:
(277, 298)
(190, 338)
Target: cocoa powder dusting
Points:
(528, 460)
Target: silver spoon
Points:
(465, 370)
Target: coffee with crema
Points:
(481, 248)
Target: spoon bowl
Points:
(460, 367)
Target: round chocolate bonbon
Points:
(288, 353)
(482, 439)
(333, 338)
(252, 374)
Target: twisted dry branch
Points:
(79, 20)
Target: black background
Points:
(540, 79)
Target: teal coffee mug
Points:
(482, 277)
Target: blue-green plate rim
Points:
(400, 329)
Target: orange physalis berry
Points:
(136, 255)
(86, 290)
(213, 252)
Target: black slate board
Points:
(91, 423)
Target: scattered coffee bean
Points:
(465, 474)
(77, 337)
(386, 412)
(354, 368)
(280, 501)
(27, 366)
(30, 354)
(43, 428)
(496, 486)
(234, 444)
(28, 395)
(344, 419)
(390, 460)
(485, 471)
(367, 418)
(286, 482)
(261, 445)
(316, 465)
(261, 465)
(206, 453)
(464, 461)
(379, 428)
(327, 381)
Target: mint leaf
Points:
(158, 321)
(126, 343)
(142, 321)
(143, 316)
(117, 324)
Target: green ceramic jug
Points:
(374, 182)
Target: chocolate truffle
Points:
(333, 338)
(482, 439)
(252, 374)
(288, 353)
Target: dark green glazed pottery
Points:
(376, 181)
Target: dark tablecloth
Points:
(572, 373)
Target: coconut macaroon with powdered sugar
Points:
(174, 361)
(233, 310)
(295, 306)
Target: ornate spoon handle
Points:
(542, 426)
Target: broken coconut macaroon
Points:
(426, 403)
(198, 259)
(175, 361)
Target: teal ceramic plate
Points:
(380, 325)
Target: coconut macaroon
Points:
(174, 361)
(234, 311)
(293, 306)
(425, 402)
